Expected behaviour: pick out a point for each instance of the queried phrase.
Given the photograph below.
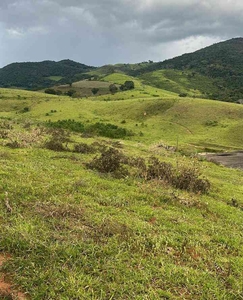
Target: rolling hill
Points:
(220, 64)
(215, 72)
(37, 75)
(97, 201)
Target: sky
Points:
(99, 32)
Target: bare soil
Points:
(6, 289)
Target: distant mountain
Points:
(214, 72)
(221, 62)
(36, 75)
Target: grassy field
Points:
(84, 88)
(55, 78)
(180, 82)
(73, 232)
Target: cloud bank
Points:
(98, 32)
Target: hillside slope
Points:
(215, 72)
(93, 205)
(222, 63)
(34, 75)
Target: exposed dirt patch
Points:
(6, 289)
(228, 159)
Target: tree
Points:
(113, 88)
(70, 93)
(50, 91)
(128, 85)
(95, 91)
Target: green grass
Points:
(76, 234)
(55, 78)
(191, 83)
(84, 88)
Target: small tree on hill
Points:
(50, 91)
(95, 91)
(128, 85)
(70, 93)
(113, 88)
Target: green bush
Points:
(84, 148)
(99, 129)
(55, 145)
(67, 124)
(110, 161)
(160, 170)
(108, 130)
(50, 91)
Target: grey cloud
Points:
(103, 31)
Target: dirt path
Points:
(6, 289)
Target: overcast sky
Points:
(98, 32)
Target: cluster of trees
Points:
(128, 85)
(52, 91)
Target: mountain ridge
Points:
(220, 66)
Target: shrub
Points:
(26, 109)
(50, 91)
(55, 145)
(95, 91)
(100, 129)
(70, 93)
(113, 88)
(83, 148)
(139, 165)
(108, 130)
(25, 139)
(57, 139)
(67, 124)
(184, 177)
(188, 178)
(110, 161)
(13, 144)
(159, 170)
(3, 134)
(183, 95)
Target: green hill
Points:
(215, 72)
(37, 75)
(221, 64)
(106, 198)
